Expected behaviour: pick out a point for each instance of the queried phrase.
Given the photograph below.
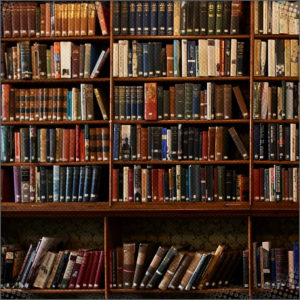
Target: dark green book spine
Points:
(69, 182)
(179, 101)
(211, 17)
(124, 18)
(219, 17)
(221, 183)
(75, 184)
(203, 17)
(189, 18)
(160, 104)
(166, 105)
(81, 183)
(25, 144)
(156, 143)
(226, 17)
(116, 102)
(32, 143)
(116, 18)
(188, 99)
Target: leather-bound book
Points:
(124, 18)
(172, 102)
(211, 143)
(103, 17)
(227, 101)
(219, 142)
(170, 60)
(160, 185)
(92, 274)
(119, 251)
(115, 191)
(130, 185)
(83, 18)
(66, 145)
(238, 142)
(23, 19)
(82, 269)
(128, 264)
(75, 61)
(241, 102)
(99, 271)
(154, 180)
(70, 19)
(91, 16)
(144, 143)
(236, 12)
(77, 10)
(281, 264)
(7, 19)
(179, 101)
(160, 253)
(150, 90)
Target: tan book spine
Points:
(58, 18)
(77, 19)
(294, 58)
(291, 269)
(257, 49)
(43, 141)
(83, 19)
(176, 20)
(54, 269)
(128, 264)
(48, 19)
(287, 57)
(71, 19)
(64, 24)
(170, 60)
(91, 19)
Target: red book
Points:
(160, 184)
(81, 145)
(144, 143)
(76, 268)
(5, 102)
(204, 145)
(17, 146)
(115, 186)
(211, 143)
(72, 144)
(222, 56)
(66, 145)
(130, 185)
(93, 270)
(154, 181)
(86, 276)
(77, 144)
(256, 187)
(82, 269)
(262, 186)
(99, 271)
(103, 17)
(150, 98)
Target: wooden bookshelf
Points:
(109, 211)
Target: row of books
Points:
(176, 17)
(57, 184)
(31, 144)
(46, 266)
(275, 267)
(53, 104)
(134, 142)
(276, 142)
(145, 266)
(31, 19)
(272, 17)
(276, 184)
(191, 183)
(275, 102)
(183, 101)
(276, 57)
(183, 58)
(60, 60)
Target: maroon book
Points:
(160, 185)
(84, 264)
(66, 145)
(115, 186)
(130, 185)
(72, 145)
(23, 19)
(31, 15)
(75, 61)
(86, 275)
(76, 268)
(93, 270)
(150, 99)
(154, 180)
(99, 271)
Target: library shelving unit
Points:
(110, 213)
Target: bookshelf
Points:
(108, 213)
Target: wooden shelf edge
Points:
(275, 162)
(180, 79)
(276, 36)
(55, 291)
(73, 163)
(179, 162)
(57, 80)
(180, 37)
(271, 78)
(21, 123)
(57, 38)
(276, 121)
(231, 121)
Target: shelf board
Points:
(295, 121)
(181, 79)
(57, 80)
(275, 162)
(180, 162)
(231, 121)
(58, 38)
(276, 36)
(275, 208)
(74, 163)
(276, 78)
(21, 123)
(55, 291)
(180, 37)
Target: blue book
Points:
(196, 101)
(94, 58)
(176, 44)
(191, 61)
(116, 141)
(87, 184)
(296, 264)
(132, 13)
(145, 60)
(146, 18)
(56, 183)
(139, 18)
(95, 186)
(69, 182)
(127, 103)
(164, 144)
(140, 102)
(81, 183)
(170, 17)
(4, 144)
(153, 18)
(133, 102)
(69, 106)
(161, 18)
(75, 184)
(130, 71)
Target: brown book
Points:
(172, 103)
(31, 104)
(89, 101)
(91, 18)
(83, 18)
(31, 15)
(38, 96)
(102, 102)
(93, 144)
(22, 104)
(15, 19)
(54, 269)
(128, 264)
(17, 104)
(23, 19)
(43, 19)
(7, 19)
(170, 60)
(27, 104)
(211, 266)
(72, 144)
(233, 259)
(75, 60)
(220, 269)
(238, 142)
(154, 181)
(138, 141)
(219, 142)
(59, 104)
(65, 144)
(77, 22)
(159, 255)
(211, 143)
(144, 143)
(171, 271)
(213, 274)
(12, 103)
(281, 265)
(48, 19)
(71, 16)
(58, 18)
(19, 256)
(219, 101)
(105, 142)
(176, 279)
(241, 102)
(119, 251)
(99, 148)
(64, 24)
(50, 105)
(227, 101)
(45, 103)
(190, 270)
(43, 145)
(64, 104)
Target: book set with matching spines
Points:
(32, 144)
(276, 184)
(134, 142)
(182, 58)
(276, 57)
(192, 183)
(275, 267)
(46, 266)
(272, 101)
(188, 101)
(53, 104)
(58, 184)
(177, 17)
(276, 17)
(58, 61)
(146, 265)
(49, 19)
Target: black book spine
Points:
(116, 102)
(279, 45)
(280, 142)
(156, 143)
(240, 58)
(166, 187)
(130, 71)
(81, 183)
(149, 184)
(226, 17)
(52, 146)
(60, 270)
(50, 184)
(287, 141)
(32, 143)
(196, 143)
(174, 193)
(127, 103)
(87, 184)
(183, 184)
(48, 144)
(196, 14)
(160, 104)
(272, 141)
(174, 143)
(274, 102)
(157, 58)
(137, 183)
(163, 62)
(170, 17)
(25, 144)
(179, 141)
(139, 54)
(197, 185)
(69, 182)
(260, 17)
(166, 105)
(191, 59)
(146, 18)
(278, 180)
(151, 69)
(228, 185)
(43, 184)
(140, 102)
(211, 17)
(189, 18)
(191, 143)
(262, 141)
(122, 103)
(62, 184)
(133, 101)
(179, 101)
(203, 184)
(116, 18)
(185, 143)
(75, 185)
(188, 101)
(256, 136)
(150, 143)
(132, 18)
(95, 186)
(153, 18)
(200, 144)
(133, 135)
(161, 18)
(124, 18)
(234, 185)
(210, 182)
(139, 18)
